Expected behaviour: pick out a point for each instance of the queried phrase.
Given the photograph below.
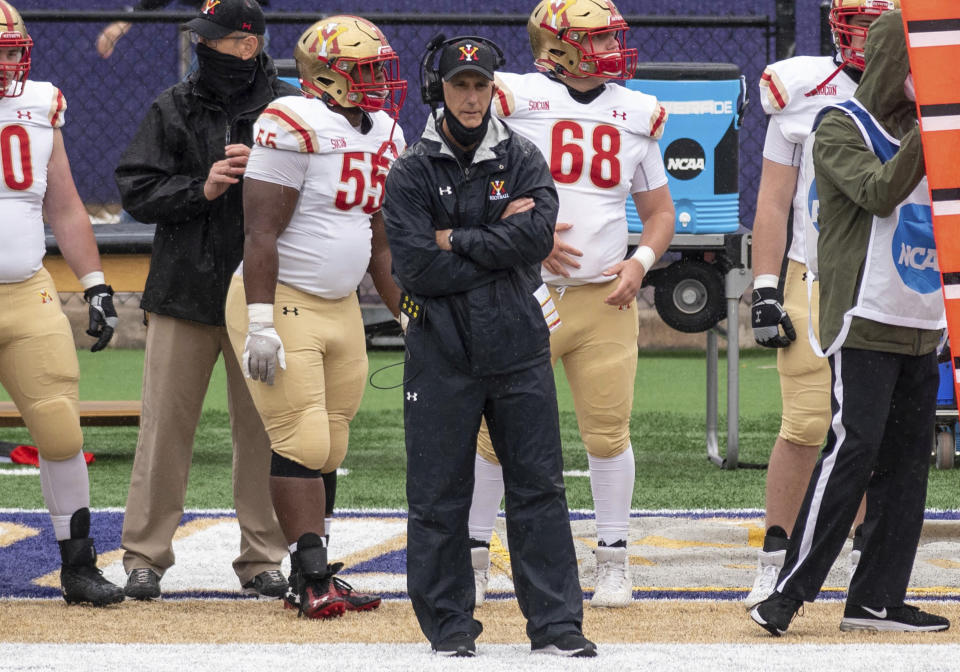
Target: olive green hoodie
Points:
(853, 186)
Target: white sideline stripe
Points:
(490, 657)
(34, 471)
(943, 38)
(950, 123)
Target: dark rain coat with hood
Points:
(198, 243)
(854, 185)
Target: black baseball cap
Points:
(219, 18)
(468, 54)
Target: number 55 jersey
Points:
(599, 153)
(26, 142)
(340, 172)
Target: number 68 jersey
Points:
(599, 153)
(26, 142)
(340, 172)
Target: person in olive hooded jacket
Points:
(881, 316)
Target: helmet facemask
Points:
(13, 35)
(844, 32)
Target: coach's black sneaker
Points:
(891, 619)
(270, 583)
(142, 584)
(80, 579)
(569, 644)
(775, 613)
(459, 645)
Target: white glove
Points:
(261, 353)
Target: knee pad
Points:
(55, 425)
(304, 440)
(605, 437)
(286, 468)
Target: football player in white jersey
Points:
(38, 358)
(600, 141)
(792, 93)
(313, 188)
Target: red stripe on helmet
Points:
(7, 15)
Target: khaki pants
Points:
(180, 356)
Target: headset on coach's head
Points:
(431, 82)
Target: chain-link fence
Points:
(107, 98)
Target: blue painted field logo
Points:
(914, 251)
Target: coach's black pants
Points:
(442, 411)
(880, 439)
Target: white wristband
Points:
(646, 256)
(92, 279)
(261, 313)
(765, 280)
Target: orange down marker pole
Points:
(933, 44)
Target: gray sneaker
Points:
(270, 583)
(143, 584)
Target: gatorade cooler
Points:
(701, 142)
(287, 71)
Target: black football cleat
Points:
(80, 579)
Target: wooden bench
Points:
(93, 413)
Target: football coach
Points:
(470, 211)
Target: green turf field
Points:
(667, 430)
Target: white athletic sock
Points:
(611, 481)
(66, 488)
(487, 493)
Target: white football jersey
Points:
(599, 154)
(791, 92)
(26, 142)
(340, 174)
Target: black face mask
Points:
(463, 135)
(224, 75)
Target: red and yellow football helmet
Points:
(580, 38)
(347, 61)
(13, 35)
(842, 12)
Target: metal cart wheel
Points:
(689, 296)
(945, 446)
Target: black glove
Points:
(103, 316)
(767, 316)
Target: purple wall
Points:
(107, 98)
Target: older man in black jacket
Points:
(183, 170)
(470, 213)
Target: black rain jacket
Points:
(477, 304)
(198, 243)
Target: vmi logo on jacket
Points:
(497, 192)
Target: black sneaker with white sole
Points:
(459, 645)
(270, 583)
(569, 644)
(891, 619)
(775, 613)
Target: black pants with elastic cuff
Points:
(879, 442)
(442, 410)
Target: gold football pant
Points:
(308, 409)
(38, 365)
(598, 346)
(804, 377)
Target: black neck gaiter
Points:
(224, 75)
(468, 137)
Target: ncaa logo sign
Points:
(813, 206)
(914, 253)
